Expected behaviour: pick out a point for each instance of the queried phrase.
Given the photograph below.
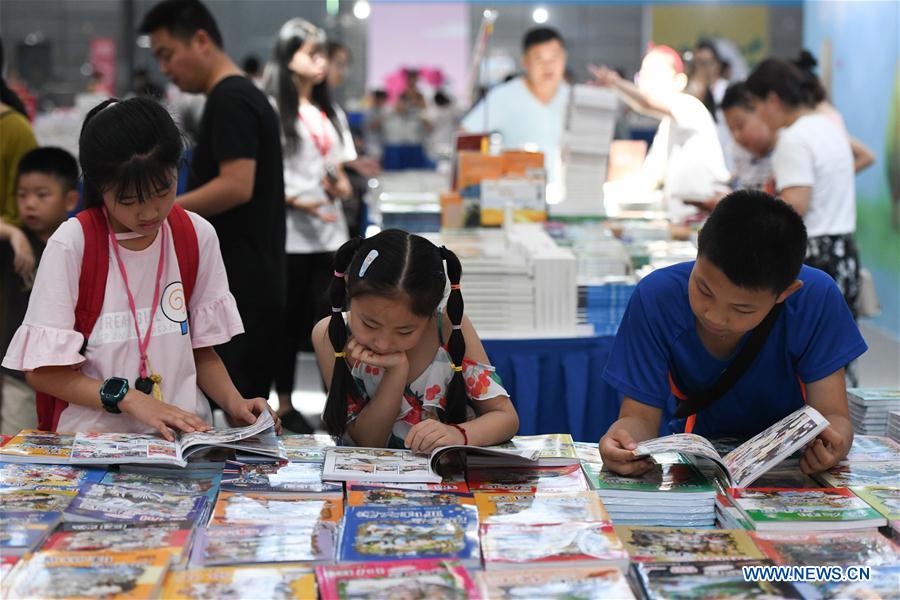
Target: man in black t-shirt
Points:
(236, 181)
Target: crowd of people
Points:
(151, 307)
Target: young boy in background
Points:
(46, 193)
(685, 324)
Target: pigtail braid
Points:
(342, 384)
(457, 399)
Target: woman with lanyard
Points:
(315, 146)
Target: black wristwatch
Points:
(112, 392)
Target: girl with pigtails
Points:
(403, 373)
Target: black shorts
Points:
(252, 357)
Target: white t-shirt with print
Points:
(814, 152)
(47, 336)
(303, 172)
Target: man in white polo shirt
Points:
(528, 111)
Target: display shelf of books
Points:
(537, 517)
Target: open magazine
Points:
(750, 460)
(112, 448)
(403, 466)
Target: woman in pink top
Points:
(149, 363)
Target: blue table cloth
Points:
(556, 385)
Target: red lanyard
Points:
(321, 139)
(142, 344)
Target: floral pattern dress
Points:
(427, 394)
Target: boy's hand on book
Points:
(616, 449)
(161, 416)
(246, 411)
(823, 452)
(429, 434)
(356, 351)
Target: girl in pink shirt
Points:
(149, 363)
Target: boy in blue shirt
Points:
(685, 324)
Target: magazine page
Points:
(306, 448)
(397, 579)
(768, 448)
(600, 581)
(696, 449)
(494, 456)
(377, 464)
(114, 448)
(303, 541)
(223, 437)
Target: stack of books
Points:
(585, 145)
(869, 409)
(805, 510)
(893, 429)
(673, 494)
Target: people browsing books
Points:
(735, 341)
(403, 372)
(132, 292)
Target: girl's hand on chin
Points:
(356, 351)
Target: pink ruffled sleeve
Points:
(47, 336)
(214, 314)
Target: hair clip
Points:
(336, 274)
(456, 368)
(367, 262)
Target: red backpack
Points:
(92, 284)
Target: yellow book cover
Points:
(551, 445)
(383, 496)
(282, 581)
(673, 544)
(475, 167)
(248, 508)
(39, 446)
(539, 508)
(585, 582)
(112, 576)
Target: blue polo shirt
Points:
(814, 336)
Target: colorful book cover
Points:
(588, 452)
(709, 580)
(538, 479)
(455, 484)
(282, 581)
(114, 576)
(98, 502)
(22, 532)
(384, 496)
(13, 500)
(276, 478)
(515, 544)
(299, 541)
(48, 478)
(676, 478)
(396, 533)
(860, 474)
(555, 583)
(260, 509)
(7, 563)
(873, 448)
(883, 583)
(540, 508)
(676, 544)
(35, 446)
(401, 579)
(832, 548)
(307, 448)
(180, 485)
(172, 536)
(884, 499)
(828, 507)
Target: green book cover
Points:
(885, 499)
(767, 505)
(672, 477)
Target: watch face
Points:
(114, 387)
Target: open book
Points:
(403, 466)
(750, 460)
(138, 448)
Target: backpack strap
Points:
(91, 293)
(694, 403)
(187, 249)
